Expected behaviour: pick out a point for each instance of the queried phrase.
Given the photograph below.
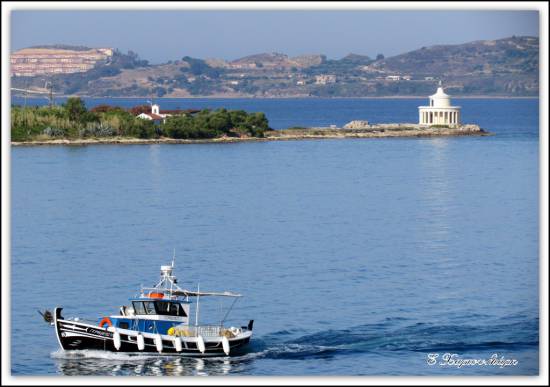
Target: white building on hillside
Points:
(440, 111)
(325, 79)
(393, 77)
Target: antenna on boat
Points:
(174, 258)
(197, 309)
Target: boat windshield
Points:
(169, 308)
(164, 308)
(139, 308)
(149, 307)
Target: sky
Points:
(160, 36)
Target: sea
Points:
(387, 256)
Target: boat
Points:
(155, 322)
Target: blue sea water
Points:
(355, 256)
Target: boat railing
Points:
(207, 330)
(202, 330)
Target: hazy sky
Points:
(159, 36)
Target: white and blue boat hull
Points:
(75, 335)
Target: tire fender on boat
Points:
(158, 342)
(225, 345)
(177, 344)
(140, 342)
(116, 339)
(200, 344)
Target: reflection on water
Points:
(437, 196)
(98, 363)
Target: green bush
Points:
(142, 129)
(211, 124)
(101, 129)
(54, 132)
(75, 108)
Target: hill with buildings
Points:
(504, 67)
(507, 66)
(49, 60)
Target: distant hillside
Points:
(504, 67)
(507, 66)
(276, 60)
(486, 57)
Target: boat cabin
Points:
(150, 314)
(161, 307)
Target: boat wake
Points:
(388, 338)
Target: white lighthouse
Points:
(440, 111)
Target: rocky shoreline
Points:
(369, 131)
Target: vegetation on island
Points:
(73, 120)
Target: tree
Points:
(75, 108)
(379, 56)
(178, 126)
(143, 128)
(104, 108)
(258, 121)
(220, 121)
(238, 117)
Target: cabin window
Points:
(123, 325)
(149, 307)
(170, 309)
(179, 310)
(138, 307)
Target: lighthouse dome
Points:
(440, 99)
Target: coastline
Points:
(381, 131)
(291, 97)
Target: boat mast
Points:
(197, 309)
(171, 281)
